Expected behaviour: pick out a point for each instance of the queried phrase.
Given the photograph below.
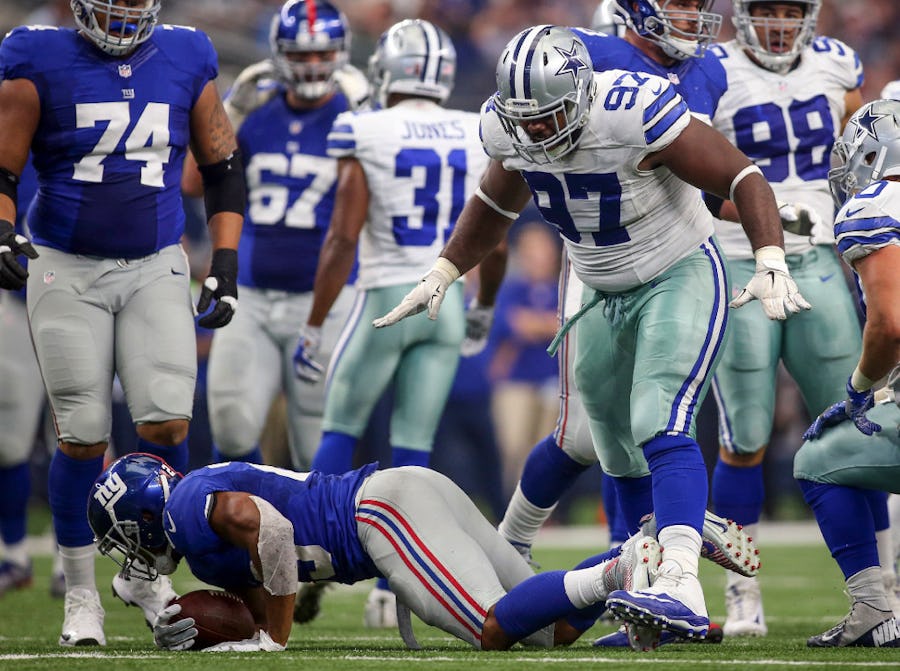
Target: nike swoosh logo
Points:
(658, 90)
(175, 272)
(171, 528)
(825, 278)
(851, 213)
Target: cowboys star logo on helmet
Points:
(865, 123)
(573, 64)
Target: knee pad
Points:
(88, 425)
(235, 431)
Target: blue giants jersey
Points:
(291, 182)
(112, 136)
(700, 81)
(321, 508)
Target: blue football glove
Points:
(853, 408)
(305, 365)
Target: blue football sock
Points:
(680, 486)
(254, 456)
(175, 455)
(335, 453)
(403, 456)
(879, 507)
(15, 485)
(597, 559)
(738, 492)
(533, 604)
(635, 501)
(615, 518)
(548, 473)
(382, 583)
(845, 520)
(69, 483)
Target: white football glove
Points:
(428, 294)
(478, 326)
(798, 218)
(305, 365)
(772, 285)
(178, 635)
(354, 85)
(262, 642)
(250, 90)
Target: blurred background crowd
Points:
(514, 376)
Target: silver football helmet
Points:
(115, 29)
(655, 20)
(606, 20)
(544, 74)
(891, 90)
(770, 49)
(868, 150)
(413, 57)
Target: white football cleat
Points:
(743, 607)
(380, 611)
(83, 623)
(151, 596)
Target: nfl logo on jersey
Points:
(125, 70)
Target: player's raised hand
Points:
(13, 274)
(427, 295)
(773, 286)
(178, 635)
(221, 284)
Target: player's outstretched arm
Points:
(702, 156)
(481, 226)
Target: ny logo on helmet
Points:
(109, 493)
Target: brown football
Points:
(218, 616)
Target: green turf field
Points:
(802, 590)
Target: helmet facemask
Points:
(310, 40)
(772, 50)
(116, 29)
(655, 20)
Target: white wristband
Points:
(487, 200)
(446, 267)
(738, 178)
(770, 257)
(859, 381)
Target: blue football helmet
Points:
(655, 20)
(113, 28)
(544, 73)
(413, 57)
(867, 151)
(304, 26)
(768, 48)
(125, 511)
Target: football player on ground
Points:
(853, 448)
(612, 160)
(257, 530)
(108, 282)
(404, 173)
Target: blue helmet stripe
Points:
(514, 65)
(431, 71)
(529, 59)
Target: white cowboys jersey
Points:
(621, 226)
(422, 162)
(787, 125)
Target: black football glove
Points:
(221, 284)
(12, 273)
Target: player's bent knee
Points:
(743, 460)
(235, 430)
(168, 433)
(87, 425)
(492, 635)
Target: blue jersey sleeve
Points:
(16, 61)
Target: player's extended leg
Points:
(245, 374)
(22, 401)
(156, 359)
(839, 474)
(677, 325)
